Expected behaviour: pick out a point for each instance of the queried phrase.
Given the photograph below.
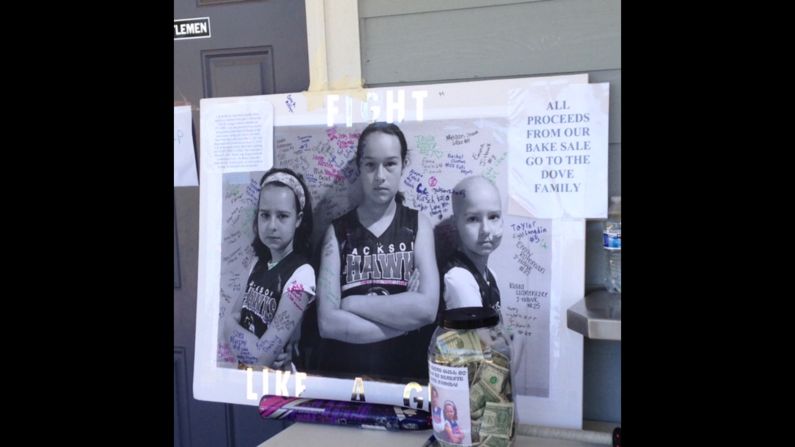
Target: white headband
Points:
(291, 183)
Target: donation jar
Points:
(469, 368)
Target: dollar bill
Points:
(472, 372)
(494, 376)
(472, 343)
(443, 443)
(475, 431)
(491, 395)
(446, 342)
(495, 441)
(477, 397)
(499, 359)
(477, 414)
(480, 394)
(497, 419)
(460, 346)
(441, 359)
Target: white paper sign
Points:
(558, 151)
(237, 134)
(184, 156)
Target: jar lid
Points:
(469, 318)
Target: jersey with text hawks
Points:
(264, 290)
(376, 265)
(373, 265)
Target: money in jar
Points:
(469, 367)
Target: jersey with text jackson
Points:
(380, 265)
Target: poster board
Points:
(453, 131)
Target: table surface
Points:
(319, 435)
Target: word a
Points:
(358, 394)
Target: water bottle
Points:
(611, 242)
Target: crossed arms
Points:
(372, 318)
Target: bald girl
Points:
(477, 212)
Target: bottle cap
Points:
(470, 318)
(615, 206)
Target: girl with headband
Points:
(265, 322)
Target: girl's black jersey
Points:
(371, 265)
(264, 290)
